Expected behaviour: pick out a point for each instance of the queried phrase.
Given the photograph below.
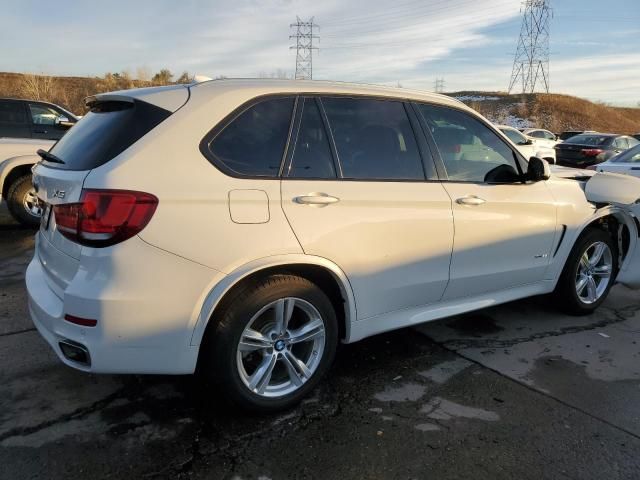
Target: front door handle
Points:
(316, 199)
(471, 200)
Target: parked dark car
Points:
(33, 119)
(572, 133)
(636, 136)
(588, 149)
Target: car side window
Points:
(549, 136)
(312, 157)
(537, 134)
(253, 143)
(515, 136)
(621, 143)
(374, 139)
(42, 115)
(470, 151)
(12, 113)
(633, 142)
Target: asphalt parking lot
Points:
(516, 391)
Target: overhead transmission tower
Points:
(531, 63)
(438, 85)
(304, 47)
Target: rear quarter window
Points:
(252, 143)
(106, 131)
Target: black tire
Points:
(219, 359)
(16, 195)
(565, 295)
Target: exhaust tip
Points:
(75, 352)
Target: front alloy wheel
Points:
(588, 273)
(594, 272)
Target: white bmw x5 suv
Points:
(248, 226)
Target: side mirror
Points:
(528, 142)
(63, 122)
(538, 170)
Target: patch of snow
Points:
(427, 427)
(475, 98)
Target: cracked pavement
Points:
(516, 391)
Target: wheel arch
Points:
(327, 275)
(605, 218)
(11, 174)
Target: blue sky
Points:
(595, 45)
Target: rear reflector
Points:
(85, 322)
(105, 217)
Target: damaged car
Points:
(244, 228)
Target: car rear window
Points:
(106, 131)
(589, 139)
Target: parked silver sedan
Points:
(627, 162)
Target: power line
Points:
(531, 62)
(438, 85)
(304, 47)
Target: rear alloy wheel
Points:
(588, 274)
(23, 203)
(275, 340)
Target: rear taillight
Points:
(105, 217)
(591, 152)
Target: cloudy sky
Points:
(595, 45)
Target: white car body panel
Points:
(389, 245)
(543, 142)
(18, 152)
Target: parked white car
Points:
(528, 146)
(542, 136)
(248, 226)
(627, 162)
(17, 156)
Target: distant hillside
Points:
(551, 111)
(68, 92)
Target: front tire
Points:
(23, 203)
(588, 274)
(271, 343)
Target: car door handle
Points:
(317, 199)
(471, 200)
(635, 168)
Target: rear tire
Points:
(264, 364)
(23, 203)
(587, 277)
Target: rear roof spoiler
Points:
(170, 97)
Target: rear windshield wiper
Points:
(49, 157)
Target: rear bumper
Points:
(143, 327)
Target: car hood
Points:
(575, 173)
(605, 187)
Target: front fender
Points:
(214, 296)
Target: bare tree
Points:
(163, 77)
(143, 74)
(38, 87)
(185, 78)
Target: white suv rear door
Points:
(359, 198)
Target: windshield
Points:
(105, 132)
(515, 136)
(589, 139)
(630, 156)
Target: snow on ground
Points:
(475, 98)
